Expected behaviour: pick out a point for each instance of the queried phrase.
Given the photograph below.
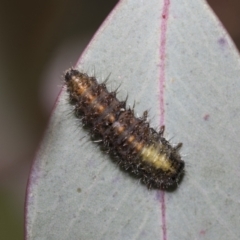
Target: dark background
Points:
(40, 39)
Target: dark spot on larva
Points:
(136, 147)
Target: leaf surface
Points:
(175, 59)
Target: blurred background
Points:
(39, 40)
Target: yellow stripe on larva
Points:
(152, 156)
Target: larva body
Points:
(138, 147)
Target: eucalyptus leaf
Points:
(175, 59)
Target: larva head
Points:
(169, 173)
(172, 178)
(70, 74)
(164, 180)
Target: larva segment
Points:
(140, 148)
